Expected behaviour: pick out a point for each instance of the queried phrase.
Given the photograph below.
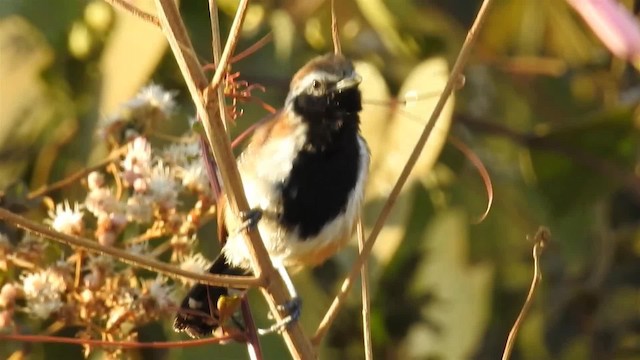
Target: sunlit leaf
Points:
(393, 138)
(25, 107)
(461, 291)
(129, 58)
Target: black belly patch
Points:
(318, 189)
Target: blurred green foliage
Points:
(552, 116)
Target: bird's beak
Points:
(348, 82)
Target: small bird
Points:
(304, 174)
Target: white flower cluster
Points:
(66, 219)
(145, 201)
(150, 105)
(43, 291)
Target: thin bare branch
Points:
(135, 11)
(541, 238)
(452, 83)
(117, 344)
(217, 54)
(251, 332)
(115, 155)
(335, 35)
(253, 48)
(229, 48)
(482, 170)
(366, 303)
(126, 257)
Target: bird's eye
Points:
(316, 85)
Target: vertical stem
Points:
(452, 83)
(216, 49)
(366, 303)
(253, 342)
(274, 291)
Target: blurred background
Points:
(553, 117)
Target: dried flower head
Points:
(154, 96)
(182, 153)
(137, 161)
(43, 291)
(66, 219)
(95, 180)
(101, 202)
(163, 187)
(194, 177)
(196, 263)
(140, 209)
(161, 293)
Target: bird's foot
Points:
(293, 309)
(250, 219)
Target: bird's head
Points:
(327, 85)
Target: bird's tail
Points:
(198, 314)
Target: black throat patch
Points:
(325, 172)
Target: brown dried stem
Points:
(335, 35)
(366, 304)
(452, 83)
(541, 238)
(274, 290)
(135, 11)
(126, 257)
(216, 49)
(115, 155)
(117, 344)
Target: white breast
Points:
(262, 182)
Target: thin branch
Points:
(452, 83)
(366, 303)
(541, 238)
(115, 155)
(251, 332)
(126, 257)
(275, 290)
(253, 48)
(217, 50)
(117, 344)
(135, 11)
(229, 48)
(482, 170)
(335, 36)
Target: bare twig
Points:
(115, 155)
(275, 290)
(135, 11)
(225, 58)
(217, 53)
(126, 257)
(251, 332)
(253, 48)
(337, 49)
(452, 83)
(541, 238)
(366, 304)
(117, 344)
(482, 170)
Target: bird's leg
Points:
(250, 219)
(292, 308)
